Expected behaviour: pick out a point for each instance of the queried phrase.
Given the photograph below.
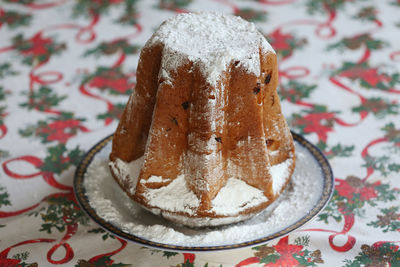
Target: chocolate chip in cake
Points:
(237, 62)
(161, 80)
(218, 139)
(269, 142)
(174, 120)
(267, 78)
(257, 89)
(185, 105)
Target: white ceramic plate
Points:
(101, 198)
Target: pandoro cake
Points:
(202, 140)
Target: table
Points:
(68, 67)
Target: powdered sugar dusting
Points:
(128, 173)
(112, 204)
(280, 172)
(171, 197)
(237, 196)
(212, 40)
(152, 179)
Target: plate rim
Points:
(83, 201)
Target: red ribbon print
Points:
(348, 224)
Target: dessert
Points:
(202, 140)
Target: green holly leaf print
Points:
(322, 6)
(113, 80)
(386, 254)
(21, 256)
(252, 15)
(173, 5)
(130, 15)
(6, 70)
(42, 99)
(358, 41)
(378, 107)
(61, 211)
(294, 91)
(101, 262)
(367, 14)
(110, 48)
(60, 159)
(14, 19)
(4, 197)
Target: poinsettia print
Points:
(37, 49)
(353, 186)
(285, 254)
(188, 260)
(113, 80)
(59, 129)
(352, 195)
(284, 44)
(319, 121)
(368, 77)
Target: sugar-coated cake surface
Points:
(235, 196)
(212, 39)
(110, 204)
(204, 123)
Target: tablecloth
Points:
(68, 67)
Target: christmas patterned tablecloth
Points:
(68, 67)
